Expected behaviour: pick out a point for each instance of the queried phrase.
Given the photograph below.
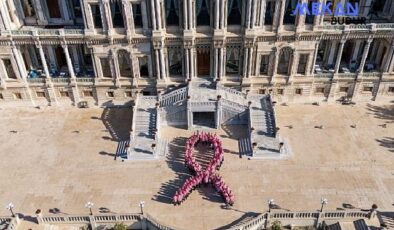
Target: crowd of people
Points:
(207, 176)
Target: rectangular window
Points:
(88, 93)
(64, 94)
(269, 13)
(309, 18)
(128, 94)
(175, 61)
(280, 91)
(172, 12)
(367, 89)
(233, 57)
(343, 89)
(143, 63)
(301, 69)
(298, 91)
(106, 68)
(261, 91)
(391, 90)
(54, 9)
(40, 94)
(28, 8)
(76, 6)
(264, 64)
(17, 96)
(137, 15)
(110, 94)
(320, 90)
(8, 68)
(116, 13)
(96, 14)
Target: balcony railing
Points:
(36, 80)
(85, 79)
(60, 80)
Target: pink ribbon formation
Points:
(207, 176)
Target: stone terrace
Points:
(59, 158)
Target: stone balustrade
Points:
(231, 91)
(174, 97)
(85, 79)
(11, 222)
(148, 222)
(307, 217)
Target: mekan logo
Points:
(341, 14)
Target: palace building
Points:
(104, 52)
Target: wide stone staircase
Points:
(144, 138)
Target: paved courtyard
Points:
(57, 159)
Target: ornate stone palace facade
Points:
(61, 52)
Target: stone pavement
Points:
(63, 157)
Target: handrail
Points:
(173, 96)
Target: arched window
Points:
(202, 12)
(284, 61)
(172, 12)
(234, 12)
(175, 61)
(124, 63)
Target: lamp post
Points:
(89, 205)
(323, 201)
(142, 204)
(10, 207)
(270, 203)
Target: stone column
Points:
(294, 63)
(69, 62)
(365, 55)
(315, 56)
(39, 12)
(158, 15)
(300, 19)
(145, 24)
(162, 64)
(5, 16)
(339, 55)
(187, 63)
(43, 60)
(245, 64)
(276, 62)
(223, 17)
(190, 14)
(217, 10)
(115, 62)
(215, 62)
(128, 16)
(19, 62)
(107, 16)
(317, 19)
(279, 16)
(153, 12)
(263, 6)
(158, 71)
(389, 58)
(218, 113)
(248, 13)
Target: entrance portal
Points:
(204, 119)
(203, 60)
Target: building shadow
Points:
(244, 218)
(117, 120)
(175, 161)
(382, 112)
(387, 142)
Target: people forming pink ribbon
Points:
(207, 176)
